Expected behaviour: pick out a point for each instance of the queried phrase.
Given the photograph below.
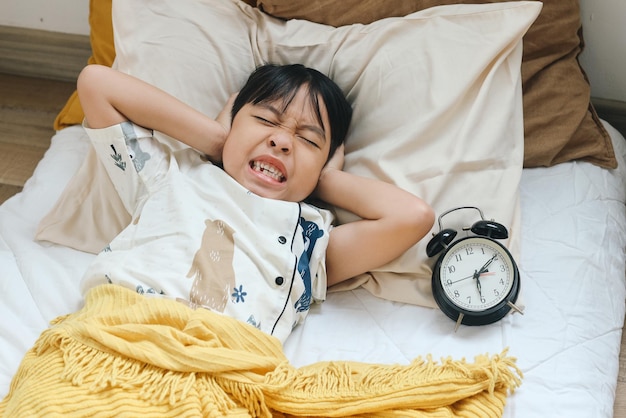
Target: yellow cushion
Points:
(102, 52)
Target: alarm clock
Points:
(475, 280)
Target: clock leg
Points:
(515, 307)
(458, 321)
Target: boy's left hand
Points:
(337, 160)
(334, 164)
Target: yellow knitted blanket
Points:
(127, 355)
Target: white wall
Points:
(68, 16)
(604, 23)
(604, 30)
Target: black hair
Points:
(272, 82)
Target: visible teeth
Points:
(268, 170)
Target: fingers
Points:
(224, 116)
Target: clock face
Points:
(476, 274)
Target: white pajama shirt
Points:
(198, 236)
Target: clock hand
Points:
(469, 277)
(460, 280)
(482, 270)
(486, 265)
(477, 277)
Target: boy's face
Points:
(275, 154)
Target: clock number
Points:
(482, 299)
(458, 257)
(449, 282)
(457, 294)
(451, 269)
(496, 293)
(469, 250)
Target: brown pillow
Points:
(559, 121)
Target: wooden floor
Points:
(28, 107)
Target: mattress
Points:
(572, 268)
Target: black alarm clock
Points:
(475, 280)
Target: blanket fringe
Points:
(70, 366)
(376, 390)
(98, 371)
(423, 384)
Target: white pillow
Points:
(436, 94)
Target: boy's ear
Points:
(225, 117)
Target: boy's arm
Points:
(109, 97)
(393, 220)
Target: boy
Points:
(239, 239)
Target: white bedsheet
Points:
(572, 266)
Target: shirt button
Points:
(279, 280)
(282, 239)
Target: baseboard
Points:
(42, 54)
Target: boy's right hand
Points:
(224, 117)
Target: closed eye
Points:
(265, 121)
(308, 141)
(313, 131)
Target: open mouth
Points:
(268, 170)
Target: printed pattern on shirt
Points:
(212, 267)
(310, 234)
(136, 154)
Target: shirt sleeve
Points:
(133, 160)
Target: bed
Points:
(562, 200)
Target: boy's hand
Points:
(333, 165)
(224, 118)
(337, 160)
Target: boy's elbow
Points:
(421, 216)
(88, 78)
(429, 214)
(87, 85)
